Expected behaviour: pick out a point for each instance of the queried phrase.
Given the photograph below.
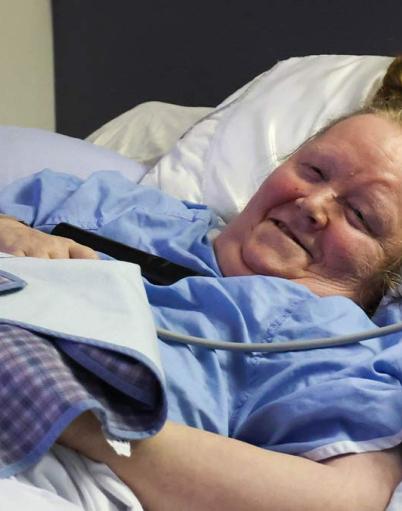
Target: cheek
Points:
(282, 186)
(351, 251)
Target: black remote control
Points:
(154, 268)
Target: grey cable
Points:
(295, 345)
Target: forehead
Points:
(365, 144)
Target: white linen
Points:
(90, 486)
(16, 496)
(148, 131)
(396, 500)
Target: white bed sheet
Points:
(87, 485)
(15, 496)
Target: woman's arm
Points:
(185, 469)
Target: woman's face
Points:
(329, 216)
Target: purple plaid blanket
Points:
(45, 382)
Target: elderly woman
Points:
(319, 238)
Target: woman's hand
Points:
(21, 240)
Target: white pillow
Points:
(223, 159)
(24, 151)
(148, 131)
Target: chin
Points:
(257, 266)
(235, 266)
(238, 269)
(228, 255)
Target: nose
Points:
(316, 208)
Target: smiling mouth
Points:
(282, 227)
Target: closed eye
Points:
(314, 173)
(317, 171)
(358, 214)
(360, 218)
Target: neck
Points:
(326, 287)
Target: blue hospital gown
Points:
(317, 403)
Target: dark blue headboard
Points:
(111, 55)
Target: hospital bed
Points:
(122, 71)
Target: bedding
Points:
(26, 496)
(24, 151)
(77, 480)
(148, 131)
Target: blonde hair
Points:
(388, 98)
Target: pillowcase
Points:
(24, 151)
(148, 131)
(222, 159)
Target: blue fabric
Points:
(317, 403)
(50, 372)
(42, 391)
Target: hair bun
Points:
(391, 89)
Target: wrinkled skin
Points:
(329, 216)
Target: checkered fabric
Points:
(46, 382)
